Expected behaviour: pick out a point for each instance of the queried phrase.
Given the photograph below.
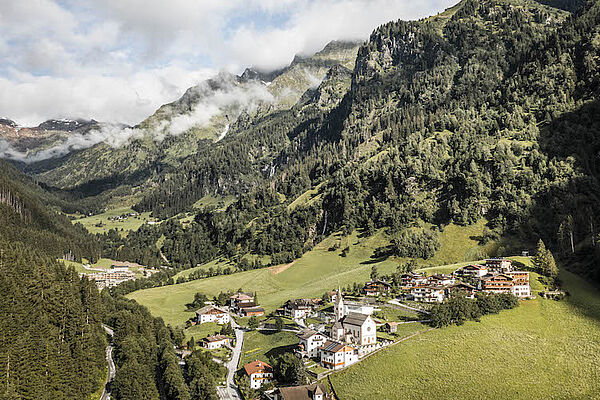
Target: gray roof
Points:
(355, 319)
(308, 334)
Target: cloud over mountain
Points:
(116, 60)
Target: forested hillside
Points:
(51, 341)
(485, 111)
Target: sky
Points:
(119, 60)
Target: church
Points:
(352, 327)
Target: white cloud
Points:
(118, 60)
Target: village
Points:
(341, 329)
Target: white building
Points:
(309, 344)
(336, 355)
(428, 293)
(259, 373)
(215, 342)
(473, 270)
(212, 314)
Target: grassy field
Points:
(542, 349)
(262, 345)
(100, 223)
(201, 331)
(103, 263)
(317, 271)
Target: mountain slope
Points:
(204, 114)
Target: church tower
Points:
(338, 306)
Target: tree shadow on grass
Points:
(277, 351)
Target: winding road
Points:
(112, 369)
(230, 391)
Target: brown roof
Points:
(256, 367)
(242, 296)
(301, 392)
(247, 305)
(215, 338)
(474, 266)
(210, 310)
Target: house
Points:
(469, 290)
(299, 308)
(240, 298)
(499, 265)
(412, 279)
(472, 270)
(336, 355)
(441, 280)
(316, 391)
(521, 286)
(215, 342)
(259, 373)
(212, 314)
(252, 311)
(309, 343)
(376, 288)
(496, 283)
(352, 327)
(428, 293)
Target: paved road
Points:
(112, 369)
(230, 392)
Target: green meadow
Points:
(261, 345)
(543, 349)
(321, 269)
(101, 223)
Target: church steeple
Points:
(338, 307)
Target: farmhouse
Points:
(259, 373)
(315, 391)
(496, 283)
(309, 343)
(240, 298)
(299, 308)
(469, 290)
(212, 314)
(335, 355)
(376, 288)
(215, 342)
(428, 293)
(412, 279)
(521, 286)
(441, 280)
(498, 265)
(252, 311)
(473, 270)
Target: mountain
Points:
(486, 111)
(204, 115)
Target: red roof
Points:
(257, 367)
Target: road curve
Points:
(112, 369)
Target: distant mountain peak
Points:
(67, 125)
(8, 122)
